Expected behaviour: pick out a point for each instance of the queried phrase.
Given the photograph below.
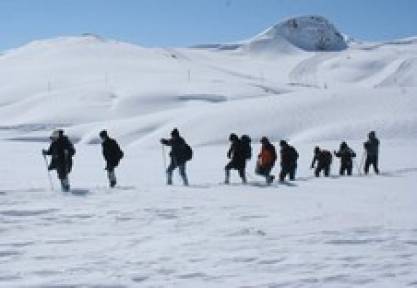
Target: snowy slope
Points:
(299, 80)
(88, 83)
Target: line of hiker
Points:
(323, 158)
(62, 151)
(240, 152)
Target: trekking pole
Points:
(164, 158)
(355, 163)
(362, 162)
(51, 184)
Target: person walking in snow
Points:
(289, 157)
(323, 158)
(61, 151)
(266, 160)
(180, 153)
(372, 152)
(238, 156)
(112, 155)
(346, 154)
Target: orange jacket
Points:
(266, 158)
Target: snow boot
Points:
(65, 186)
(112, 178)
(227, 178)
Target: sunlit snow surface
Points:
(336, 232)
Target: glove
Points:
(44, 152)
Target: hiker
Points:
(289, 157)
(372, 151)
(324, 161)
(266, 160)
(346, 154)
(61, 151)
(112, 155)
(238, 157)
(180, 153)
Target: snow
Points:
(335, 232)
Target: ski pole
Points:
(51, 185)
(164, 159)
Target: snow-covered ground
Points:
(337, 232)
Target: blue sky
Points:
(186, 22)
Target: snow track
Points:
(306, 73)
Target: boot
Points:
(227, 178)
(244, 181)
(112, 178)
(169, 178)
(65, 186)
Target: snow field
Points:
(334, 232)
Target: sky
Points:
(180, 23)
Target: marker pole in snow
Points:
(51, 185)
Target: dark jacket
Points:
(61, 151)
(178, 147)
(345, 154)
(372, 147)
(323, 158)
(111, 152)
(237, 153)
(289, 156)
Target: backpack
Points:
(188, 152)
(327, 156)
(246, 148)
(120, 153)
(293, 154)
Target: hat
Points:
(264, 140)
(175, 132)
(317, 149)
(55, 134)
(233, 137)
(103, 134)
(283, 143)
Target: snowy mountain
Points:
(299, 80)
(309, 33)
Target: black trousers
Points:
(320, 168)
(346, 168)
(240, 167)
(371, 161)
(287, 170)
